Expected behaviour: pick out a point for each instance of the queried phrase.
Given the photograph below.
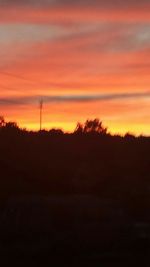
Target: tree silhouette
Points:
(91, 126)
(79, 128)
(2, 121)
(55, 132)
(11, 125)
(11, 128)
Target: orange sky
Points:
(85, 58)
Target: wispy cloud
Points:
(68, 11)
(95, 3)
(24, 100)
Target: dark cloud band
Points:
(28, 100)
(93, 3)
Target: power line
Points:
(8, 88)
(30, 81)
(16, 76)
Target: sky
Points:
(86, 59)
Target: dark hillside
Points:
(74, 199)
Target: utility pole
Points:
(41, 113)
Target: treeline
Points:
(90, 126)
(93, 190)
(88, 161)
(94, 126)
(82, 197)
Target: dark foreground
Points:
(74, 200)
(72, 231)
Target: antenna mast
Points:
(41, 111)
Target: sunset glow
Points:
(85, 59)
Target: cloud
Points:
(28, 33)
(26, 100)
(69, 11)
(95, 3)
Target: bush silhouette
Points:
(91, 126)
(2, 121)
